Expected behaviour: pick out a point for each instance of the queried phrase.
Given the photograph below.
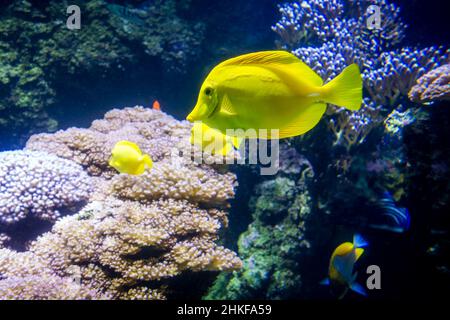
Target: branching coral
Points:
(120, 245)
(24, 276)
(393, 73)
(138, 235)
(352, 128)
(328, 36)
(435, 85)
(171, 180)
(39, 184)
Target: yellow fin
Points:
(139, 170)
(346, 89)
(236, 141)
(129, 144)
(358, 252)
(227, 148)
(278, 61)
(226, 106)
(148, 161)
(304, 122)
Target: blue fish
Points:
(393, 218)
(133, 15)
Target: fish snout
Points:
(190, 118)
(198, 113)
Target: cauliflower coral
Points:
(39, 184)
(139, 235)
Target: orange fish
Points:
(156, 105)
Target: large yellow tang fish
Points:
(272, 90)
(340, 270)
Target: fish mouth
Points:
(202, 113)
(213, 112)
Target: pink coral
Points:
(434, 85)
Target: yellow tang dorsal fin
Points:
(304, 122)
(358, 253)
(133, 145)
(278, 61)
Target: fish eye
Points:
(208, 91)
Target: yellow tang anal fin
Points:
(305, 121)
(226, 107)
(129, 144)
(225, 150)
(359, 252)
(278, 61)
(139, 170)
(236, 141)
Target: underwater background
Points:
(71, 227)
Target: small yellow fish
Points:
(213, 141)
(126, 157)
(340, 270)
(272, 90)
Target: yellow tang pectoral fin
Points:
(305, 121)
(285, 64)
(358, 253)
(226, 107)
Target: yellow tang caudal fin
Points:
(358, 253)
(346, 89)
(148, 161)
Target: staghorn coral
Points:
(41, 185)
(138, 235)
(330, 35)
(434, 85)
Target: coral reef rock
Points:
(140, 236)
(275, 243)
(434, 85)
